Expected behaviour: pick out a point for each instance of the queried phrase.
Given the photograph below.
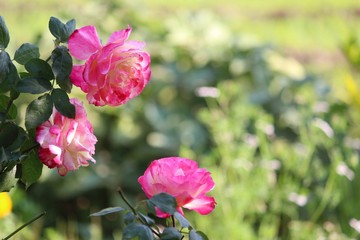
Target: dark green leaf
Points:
(134, 230)
(62, 103)
(14, 94)
(8, 134)
(62, 66)
(9, 159)
(197, 235)
(33, 85)
(184, 223)
(12, 112)
(107, 211)
(147, 219)
(26, 52)
(31, 169)
(55, 27)
(39, 68)
(8, 72)
(4, 65)
(11, 79)
(7, 180)
(19, 141)
(4, 34)
(171, 233)
(70, 28)
(38, 111)
(61, 31)
(165, 202)
(128, 218)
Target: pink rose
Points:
(181, 178)
(66, 143)
(113, 73)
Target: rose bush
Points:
(181, 178)
(66, 143)
(113, 73)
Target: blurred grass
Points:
(310, 31)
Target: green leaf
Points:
(134, 230)
(70, 28)
(62, 103)
(8, 72)
(165, 202)
(31, 169)
(12, 112)
(61, 31)
(128, 218)
(26, 52)
(8, 134)
(4, 34)
(4, 65)
(62, 66)
(19, 141)
(107, 211)
(171, 233)
(197, 235)
(33, 85)
(7, 180)
(147, 219)
(39, 68)
(38, 111)
(184, 223)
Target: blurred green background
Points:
(262, 93)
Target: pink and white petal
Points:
(120, 36)
(42, 132)
(69, 162)
(84, 42)
(71, 132)
(57, 151)
(203, 205)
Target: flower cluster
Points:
(112, 75)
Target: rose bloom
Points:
(181, 178)
(66, 143)
(113, 73)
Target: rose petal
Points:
(203, 205)
(120, 37)
(84, 42)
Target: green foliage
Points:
(171, 233)
(107, 211)
(4, 34)
(38, 111)
(61, 66)
(165, 202)
(31, 169)
(62, 103)
(139, 225)
(26, 52)
(60, 30)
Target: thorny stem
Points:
(126, 201)
(173, 220)
(24, 225)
